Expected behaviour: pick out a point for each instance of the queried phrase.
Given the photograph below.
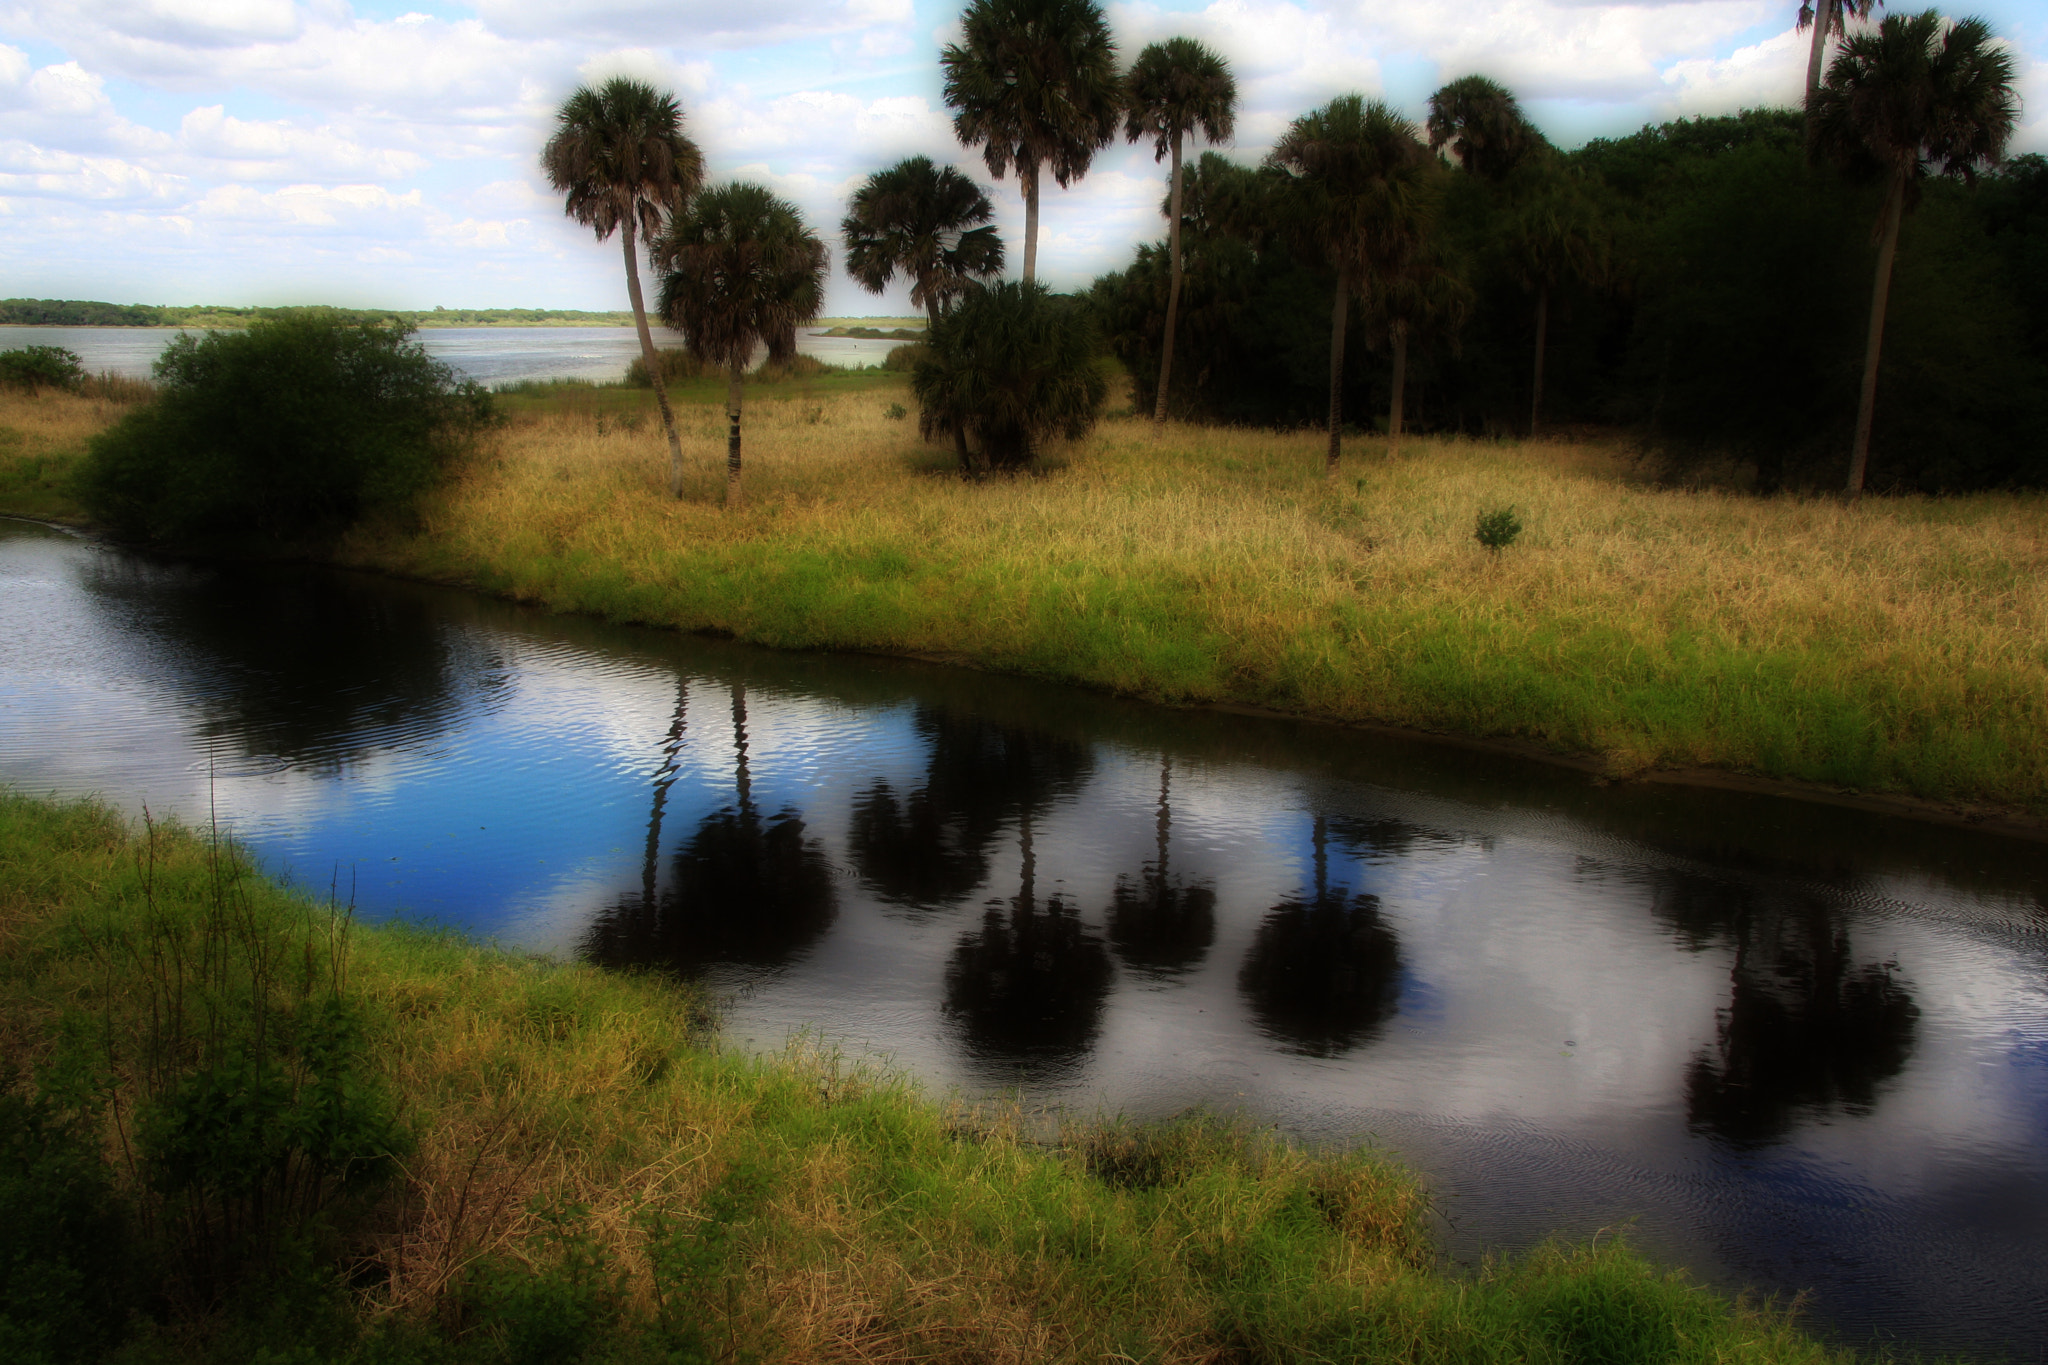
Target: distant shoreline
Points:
(76, 313)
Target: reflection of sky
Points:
(1535, 1064)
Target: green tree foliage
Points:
(1034, 84)
(928, 221)
(620, 157)
(1829, 20)
(1912, 97)
(1174, 89)
(1359, 202)
(1482, 124)
(42, 367)
(294, 429)
(1012, 367)
(739, 270)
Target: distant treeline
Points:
(86, 313)
(1715, 301)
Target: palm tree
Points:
(1034, 82)
(1012, 366)
(1175, 88)
(1829, 21)
(739, 269)
(620, 156)
(1362, 187)
(1420, 293)
(1911, 97)
(1481, 122)
(926, 221)
(1553, 233)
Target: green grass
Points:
(587, 1176)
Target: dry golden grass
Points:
(42, 438)
(1900, 644)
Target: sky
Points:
(385, 153)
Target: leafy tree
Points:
(1361, 197)
(1034, 83)
(1482, 124)
(620, 156)
(1011, 367)
(927, 221)
(295, 428)
(739, 268)
(1896, 102)
(1176, 88)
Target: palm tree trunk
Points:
(1825, 14)
(1172, 292)
(1880, 294)
(1400, 330)
(1542, 327)
(732, 440)
(653, 361)
(1337, 316)
(742, 781)
(1027, 175)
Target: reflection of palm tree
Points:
(1029, 986)
(1323, 974)
(1160, 926)
(743, 890)
(1806, 1028)
(930, 848)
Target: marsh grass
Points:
(42, 441)
(591, 1177)
(1900, 645)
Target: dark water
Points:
(1791, 1047)
(489, 355)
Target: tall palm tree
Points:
(1176, 88)
(1916, 95)
(927, 221)
(1034, 82)
(620, 156)
(1553, 233)
(739, 269)
(1828, 20)
(1483, 125)
(1361, 185)
(1421, 292)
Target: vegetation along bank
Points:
(235, 1127)
(1897, 646)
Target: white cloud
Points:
(686, 23)
(277, 149)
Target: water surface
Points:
(489, 355)
(1790, 1046)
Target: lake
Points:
(1789, 1046)
(489, 355)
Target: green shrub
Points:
(64, 1264)
(676, 366)
(1011, 367)
(1496, 530)
(42, 367)
(294, 429)
(903, 359)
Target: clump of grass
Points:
(1898, 646)
(593, 1178)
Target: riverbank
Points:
(1891, 654)
(575, 1170)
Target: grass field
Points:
(576, 1172)
(1897, 646)
(1900, 645)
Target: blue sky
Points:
(275, 151)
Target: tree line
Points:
(1697, 281)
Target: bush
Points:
(42, 367)
(294, 429)
(903, 359)
(1009, 368)
(676, 366)
(1496, 530)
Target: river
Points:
(489, 355)
(1788, 1046)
